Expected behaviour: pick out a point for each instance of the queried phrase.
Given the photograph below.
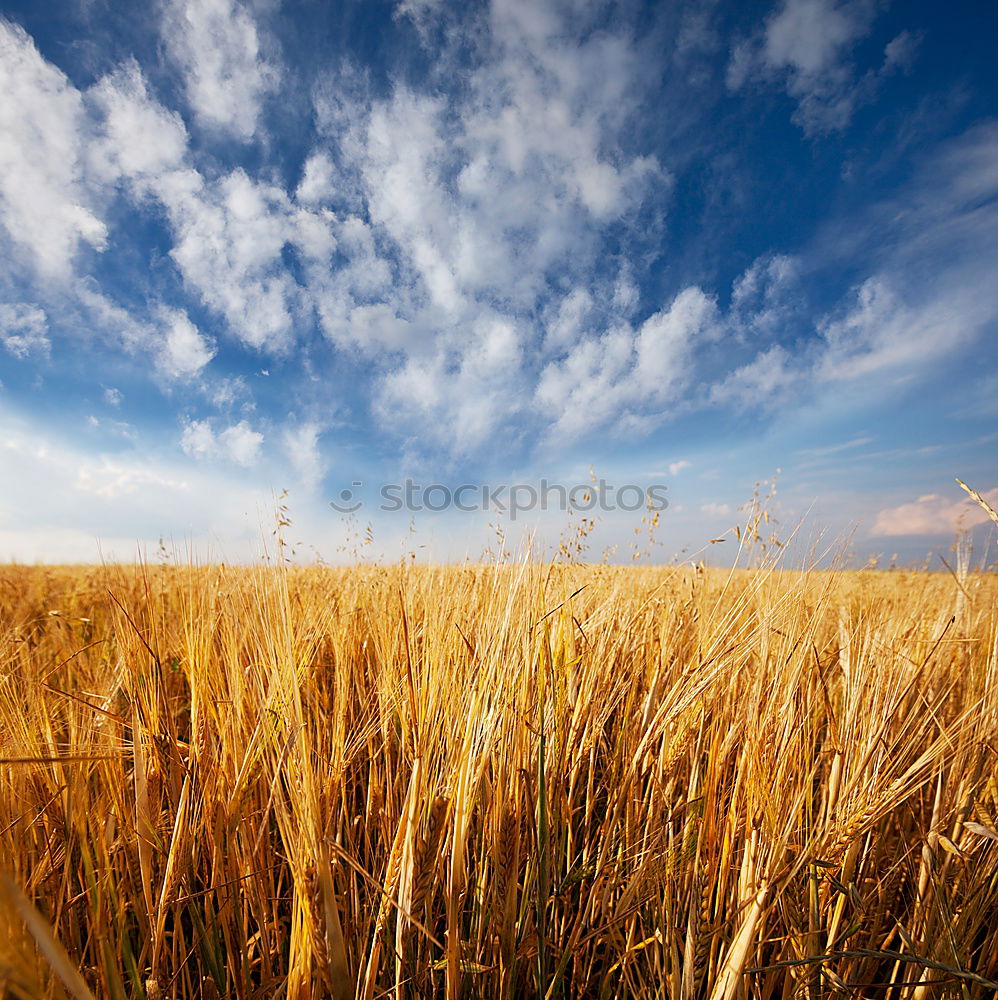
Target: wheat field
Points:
(523, 780)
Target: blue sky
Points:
(260, 246)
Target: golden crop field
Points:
(516, 781)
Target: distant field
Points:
(497, 782)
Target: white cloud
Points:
(301, 444)
(882, 329)
(460, 400)
(931, 293)
(218, 48)
(109, 479)
(666, 340)
(110, 321)
(230, 237)
(715, 509)
(198, 439)
(761, 383)
(185, 350)
(835, 449)
(570, 319)
(229, 232)
(114, 428)
(137, 138)
(627, 372)
(80, 506)
(932, 515)
(809, 35)
(44, 204)
(62, 146)
(676, 467)
(112, 397)
(765, 297)
(237, 443)
(241, 443)
(807, 44)
(901, 50)
(476, 198)
(318, 180)
(24, 330)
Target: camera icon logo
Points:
(346, 502)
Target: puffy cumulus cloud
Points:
(807, 44)
(24, 330)
(318, 180)
(237, 443)
(198, 439)
(220, 51)
(932, 515)
(230, 238)
(459, 398)
(185, 350)
(241, 443)
(487, 201)
(45, 206)
(136, 138)
(666, 340)
(713, 509)
(65, 150)
(495, 200)
(230, 232)
(809, 35)
(628, 371)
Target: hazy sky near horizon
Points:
(260, 246)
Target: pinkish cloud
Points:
(932, 515)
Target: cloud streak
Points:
(932, 515)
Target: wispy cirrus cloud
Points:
(930, 294)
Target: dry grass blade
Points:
(336, 955)
(984, 505)
(45, 938)
(730, 977)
